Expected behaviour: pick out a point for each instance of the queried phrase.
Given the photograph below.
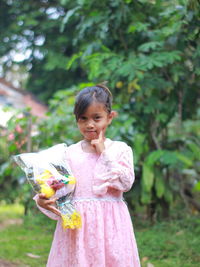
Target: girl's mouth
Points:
(91, 133)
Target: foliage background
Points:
(148, 51)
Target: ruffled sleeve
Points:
(114, 169)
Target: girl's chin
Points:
(91, 136)
(89, 139)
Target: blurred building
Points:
(12, 99)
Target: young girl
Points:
(104, 170)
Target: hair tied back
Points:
(104, 87)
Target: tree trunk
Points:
(151, 212)
(164, 208)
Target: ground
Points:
(5, 263)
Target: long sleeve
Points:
(114, 169)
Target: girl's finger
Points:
(54, 210)
(54, 199)
(101, 135)
(94, 142)
(51, 201)
(42, 196)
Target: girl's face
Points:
(93, 121)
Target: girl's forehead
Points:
(95, 107)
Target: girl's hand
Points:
(47, 204)
(98, 144)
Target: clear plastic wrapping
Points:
(48, 173)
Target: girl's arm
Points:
(47, 206)
(114, 169)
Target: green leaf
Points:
(73, 59)
(145, 197)
(147, 177)
(194, 148)
(168, 196)
(12, 148)
(138, 27)
(154, 157)
(68, 15)
(139, 146)
(162, 117)
(197, 187)
(169, 158)
(159, 184)
(150, 45)
(187, 161)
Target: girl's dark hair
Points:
(98, 93)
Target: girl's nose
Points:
(90, 124)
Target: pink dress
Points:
(106, 238)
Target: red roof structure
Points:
(19, 99)
(16, 98)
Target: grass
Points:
(166, 244)
(10, 211)
(170, 244)
(33, 236)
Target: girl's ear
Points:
(113, 114)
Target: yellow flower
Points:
(44, 176)
(72, 180)
(66, 222)
(119, 84)
(71, 221)
(76, 218)
(47, 190)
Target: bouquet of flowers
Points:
(48, 172)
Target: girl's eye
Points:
(97, 118)
(82, 118)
